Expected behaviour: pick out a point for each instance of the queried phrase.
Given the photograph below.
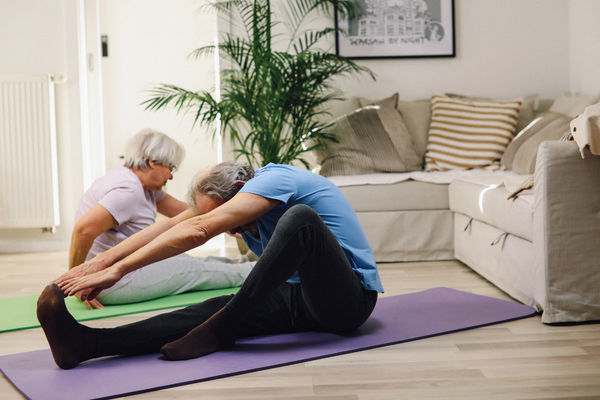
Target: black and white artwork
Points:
(398, 28)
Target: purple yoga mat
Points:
(395, 320)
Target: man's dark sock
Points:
(216, 333)
(71, 343)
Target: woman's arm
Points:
(170, 206)
(95, 222)
(188, 234)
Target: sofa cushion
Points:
(484, 198)
(406, 195)
(573, 105)
(521, 152)
(391, 101)
(468, 134)
(416, 114)
(527, 111)
(369, 140)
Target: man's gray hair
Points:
(149, 144)
(219, 182)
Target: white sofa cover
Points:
(542, 250)
(547, 255)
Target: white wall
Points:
(148, 43)
(584, 47)
(40, 37)
(504, 49)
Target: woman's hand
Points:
(89, 304)
(89, 285)
(96, 264)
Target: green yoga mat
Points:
(19, 312)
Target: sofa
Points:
(522, 210)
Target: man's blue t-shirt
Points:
(292, 186)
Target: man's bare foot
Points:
(217, 333)
(71, 343)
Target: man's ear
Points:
(239, 184)
(151, 164)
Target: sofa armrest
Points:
(567, 232)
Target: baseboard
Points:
(32, 246)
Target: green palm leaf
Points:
(272, 102)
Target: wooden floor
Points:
(517, 360)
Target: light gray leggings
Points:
(179, 274)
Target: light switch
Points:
(104, 39)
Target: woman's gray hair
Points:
(219, 182)
(149, 144)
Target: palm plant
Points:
(271, 101)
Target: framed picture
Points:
(397, 29)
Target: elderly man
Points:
(316, 269)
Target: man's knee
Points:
(296, 219)
(301, 213)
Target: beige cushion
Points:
(527, 112)
(573, 105)
(369, 140)
(520, 155)
(417, 115)
(391, 101)
(468, 134)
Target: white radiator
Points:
(28, 160)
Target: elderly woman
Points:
(125, 201)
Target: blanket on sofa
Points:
(518, 185)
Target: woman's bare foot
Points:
(71, 343)
(217, 333)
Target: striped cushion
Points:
(369, 140)
(468, 134)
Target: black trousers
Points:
(330, 298)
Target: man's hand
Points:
(89, 304)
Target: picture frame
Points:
(397, 29)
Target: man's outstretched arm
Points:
(106, 259)
(186, 235)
